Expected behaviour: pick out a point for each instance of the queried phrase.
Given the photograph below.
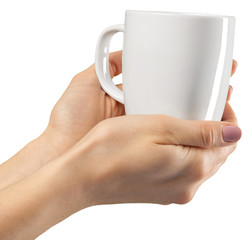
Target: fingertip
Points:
(231, 133)
(236, 63)
(231, 88)
(120, 86)
(229, 115)
(234, 67)
(230, 91)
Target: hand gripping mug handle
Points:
(102, 62)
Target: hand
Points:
(230, 90)
(153, 158)
(156, 159)
(82, 106)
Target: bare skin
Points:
(81, 107)
(82, 160)
(152, 158)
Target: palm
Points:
(82, 106)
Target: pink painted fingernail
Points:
(231, 133)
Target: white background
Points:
(43, 44)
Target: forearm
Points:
(33, 205)
(29, 159)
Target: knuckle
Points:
(165, 129)
(113, 67)
(77, 76)
(200, 169)
(164, 203)
(224, 152)
(185, 197)
(207, 135)
(200, 172)
(84, 75)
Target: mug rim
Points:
(179, 14)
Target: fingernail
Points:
(231, 133)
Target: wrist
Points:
(40, 200)
(81, 173)
(55, 143)
(45, 150)
(29, 159)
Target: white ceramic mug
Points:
(177, 64)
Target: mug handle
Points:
(102, 62)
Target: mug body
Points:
(177, 64)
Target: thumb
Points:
(205, 134)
